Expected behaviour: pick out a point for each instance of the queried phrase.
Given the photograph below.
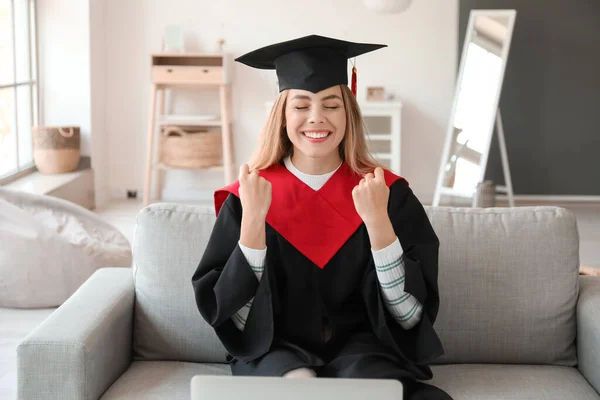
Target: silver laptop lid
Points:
(211, 387)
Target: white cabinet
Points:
(383, 120)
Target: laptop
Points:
(213, 387)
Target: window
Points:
(18, 85)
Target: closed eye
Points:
(326, 107)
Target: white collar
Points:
(316, 182)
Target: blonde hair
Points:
(274, 144)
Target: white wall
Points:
(64, 65)
(418, 67)
(99, 140)
(70, 72)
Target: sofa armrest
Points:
(83, 346)
(588, 329)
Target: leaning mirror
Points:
(475, 106)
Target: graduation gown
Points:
(319, 303)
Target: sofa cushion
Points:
(508, 382)
(160, 380)
(508, 282)
(169, 241)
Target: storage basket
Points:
(191, 147)
(56, 150)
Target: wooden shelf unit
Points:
(199, 71)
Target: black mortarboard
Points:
(311, 63)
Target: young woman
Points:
(321, 262)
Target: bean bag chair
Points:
(49, 247)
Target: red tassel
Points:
(353, 87)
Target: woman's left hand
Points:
(371, 197)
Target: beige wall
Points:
(418, 67)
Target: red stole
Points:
(316, 223)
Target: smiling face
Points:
(316, 125)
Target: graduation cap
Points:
(311, 63)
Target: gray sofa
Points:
(516, 319)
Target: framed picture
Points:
(173, 39)
(375, 93)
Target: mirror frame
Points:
(439, 189)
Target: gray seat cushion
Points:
(512, 382)
(160, 380)
(171, 379)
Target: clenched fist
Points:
(371, 197)
(255, 194)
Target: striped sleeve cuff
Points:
(390, 268)
(240, 317)
(256, 258)
(388, 255)
(389, 265)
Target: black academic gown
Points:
(318, 304)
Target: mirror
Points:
(475, 106)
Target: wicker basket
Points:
(56, 150)
(191, 147)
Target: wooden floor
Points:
(16, 324)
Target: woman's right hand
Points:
(255, 194)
